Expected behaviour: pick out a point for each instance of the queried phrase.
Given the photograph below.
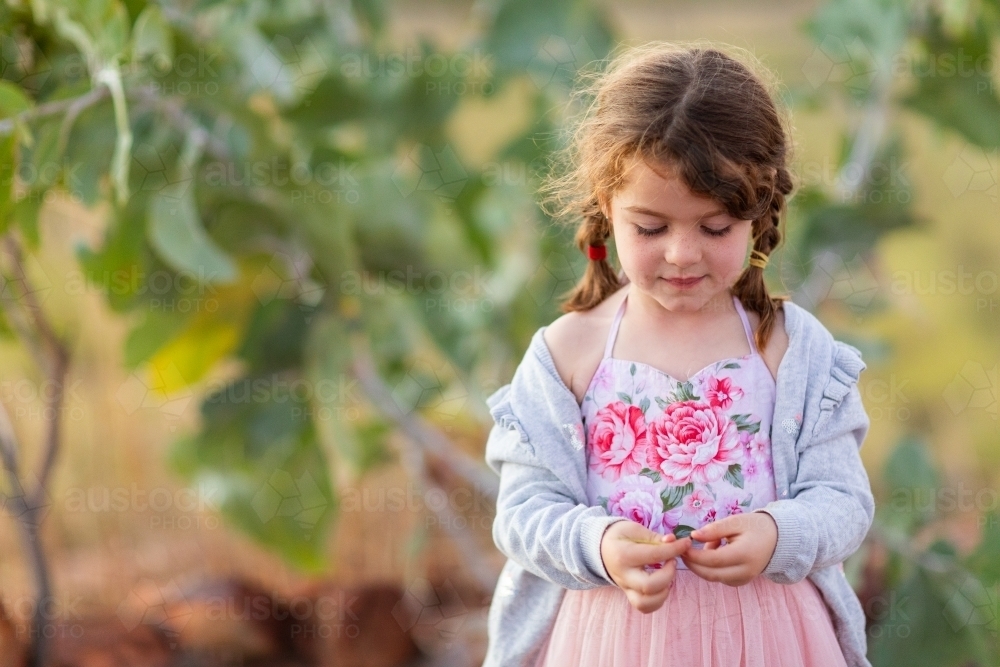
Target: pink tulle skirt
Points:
(701, 624)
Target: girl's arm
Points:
(538, 525)
(830, 506)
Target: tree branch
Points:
(418, 429)
(55, 107)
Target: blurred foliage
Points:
(279, 175)
(291, 166)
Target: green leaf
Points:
(960, 99)
(682, 531)
(652, 474)
(933, 619)
(742, 423)
(549, 40)
(673, 496)
(734, 475)
(685, 391)
(156, 329)
(625, 397)
(151, 36)
(176, 234)
(258, 449)
(644, 404)
(13, 100)
(912, 483)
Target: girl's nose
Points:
(682, 252)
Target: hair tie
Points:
(760, 260)
(597, 251)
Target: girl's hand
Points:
(750, 542)
(627, 548)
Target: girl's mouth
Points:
(686, 283)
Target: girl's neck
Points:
(659, 318)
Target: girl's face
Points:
(663, 232)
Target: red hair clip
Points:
(597, 252)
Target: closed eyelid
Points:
(642, 210)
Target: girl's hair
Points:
(707, 116)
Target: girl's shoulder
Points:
(576, 342)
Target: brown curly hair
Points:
(705, 112)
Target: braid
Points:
(599, 279)
(751, 288)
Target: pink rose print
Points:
(618, 440)
(698, 501)
(637, 498)
(693, 441)
(720, 392)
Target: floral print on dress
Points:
(675, 455)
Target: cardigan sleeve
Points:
(538, 525)
(830, 506)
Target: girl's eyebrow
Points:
(657, 214)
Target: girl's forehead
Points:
(654, 186)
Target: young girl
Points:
(678, 455)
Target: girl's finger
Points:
(733, 554)
(649, 582)
(723, 574)
(638, 554)
(714, 530)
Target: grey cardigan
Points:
(552, 537)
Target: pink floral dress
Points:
(674, 455)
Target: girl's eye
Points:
(644, 231)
